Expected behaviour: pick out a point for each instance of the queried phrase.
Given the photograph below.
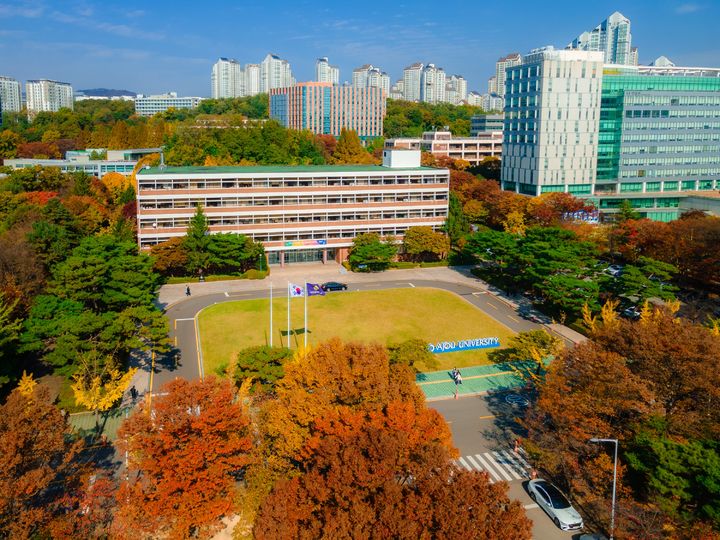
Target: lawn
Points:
(387, 316)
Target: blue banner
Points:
(314, 289)
(463, 345)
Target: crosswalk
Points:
(500, 465)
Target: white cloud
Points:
(24, 9)
(684, 9)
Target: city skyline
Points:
(150, 49)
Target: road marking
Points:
(499, 459)
(487, 417)
(522, 460)
(467, 378)
(487, 468)
(413, 286)
(226, 293)
(185, 319)
(511, 459)
(479, 293)
(152, 371)
(531, 506)
(513, 318)
(499, 465)
(175, 341)
(492, 305)
(197, 350)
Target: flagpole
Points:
(306, 327)
(288, 321)
(271, 315)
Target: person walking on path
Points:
(187, 290)
(457, 377)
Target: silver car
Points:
(551, 499)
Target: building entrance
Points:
(301, 256)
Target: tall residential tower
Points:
(611, 37)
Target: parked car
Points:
(632, 313)
(334, 286)
(555, 504)
(614, 270)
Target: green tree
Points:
(424, 244)
(350, 151)
(230, 253)
(9, 335)
(170, 257)
(627, 212)
(8, 144)
(369, 253)
(196, 243)
(413, 353)
(535, 345)
(262, 364)
(646, 278)
(456, 225)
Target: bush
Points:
(403, 264)
(434, 264)
(255, 274)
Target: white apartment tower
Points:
(10, 98)
(512, 59)
(324, 72)
(411, 81)
(552, 114)
(611, 37)
(369, 76)
(432, 84)
(360, 75)
(275, 73)
(252, 79)
(396, 90)
(456, 90)
(228, 79)
(47, 95)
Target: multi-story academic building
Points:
(441, 143)
(299, 213)
(325, 108)
(647, 134)
(150, 105)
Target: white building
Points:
(150, 105)
(275, 73)
(10, 98)
(512, 59)
(456, 90)
(252, 79)
(492, 85)
(360, 75)
(47, 95)
(492, 102)
(228, 79)
(612, 37)
(442, 144)
(396, 90)
(411, 81)
(432, 84)
(552, 113)
(368, 75)
(324, 72)
(475, 99)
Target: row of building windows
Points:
(670, 125)
(654, 113)
(315, 217)
(292, 200)
(670, 137)
(641, 203)
(658, 100)
(660, 173)
(678, 149)
(651, 161)
(238, 183)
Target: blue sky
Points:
(158, 46)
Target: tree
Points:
(170, 257)
(627, 212)
(9, 336)
(515, 224)
(231, 253)
(423, 244)
(369, 253)
(386, 474)
(535, 345)
(182, 456)
(39, 469)
(475, 211)
(349, 150)
(8, 144)
(196, 243)
(456, 225)
(647, 278)
(413, 353)
(262, 364)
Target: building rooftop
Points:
(279, 169)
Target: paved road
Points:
(484, 431)
(183, 320)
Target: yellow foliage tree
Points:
(646, 313)
(26, 385)
(515, 223)
(116, 183)
(609, 315)
(99, 392)
(589, 319)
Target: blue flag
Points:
(313, 289)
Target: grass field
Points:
(387, 316)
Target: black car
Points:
(334, 286)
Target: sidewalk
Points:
(475, 380)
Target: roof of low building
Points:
(279, 169)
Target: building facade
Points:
(252, 79)
(227, 79)
(327, 109)
(612, 37)
(456, 90)
(275, 73)
(412, 76)
(371, 76)
(46, 95)
(97, 168)
(512, 59)
(442, 144)
(150, 105)
(10, 95)
(433, 82)
(324, 72)
(656, 139)
(298, 213)
(481, 123)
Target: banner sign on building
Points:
(291, 243)
(463, 345)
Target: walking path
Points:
(475, 380)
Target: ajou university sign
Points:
(463, 345)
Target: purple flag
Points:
(313, 289)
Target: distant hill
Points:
(106, 92)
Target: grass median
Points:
(386, 316)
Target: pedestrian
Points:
(187, 290)
(458, 379)
(133, 393)
(455, 373)
(177, 359)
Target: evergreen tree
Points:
(456, 225)
(627, 211)
(196, 242)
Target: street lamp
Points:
(612, 513)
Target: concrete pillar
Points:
(282, 259)
(324, 258)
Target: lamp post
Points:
(612, 512)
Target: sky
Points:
(161, 46)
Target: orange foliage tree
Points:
(182, 456)
(386, 474)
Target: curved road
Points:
(184, 333)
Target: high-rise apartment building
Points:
(252, 79)
(456, 90)
(552, 113)
(396, 90)
(360, 74)
(47, 95)
(324, 72)
(324, 108)
(492, 102)
(652, 132)
(475, 99)
(432, 84)
(10, 97)
(512, 59)
(275, 73)
(150, 105)
(368, 75)
(228, 79)
(492, 85)
(611, 37)
(412, 76)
